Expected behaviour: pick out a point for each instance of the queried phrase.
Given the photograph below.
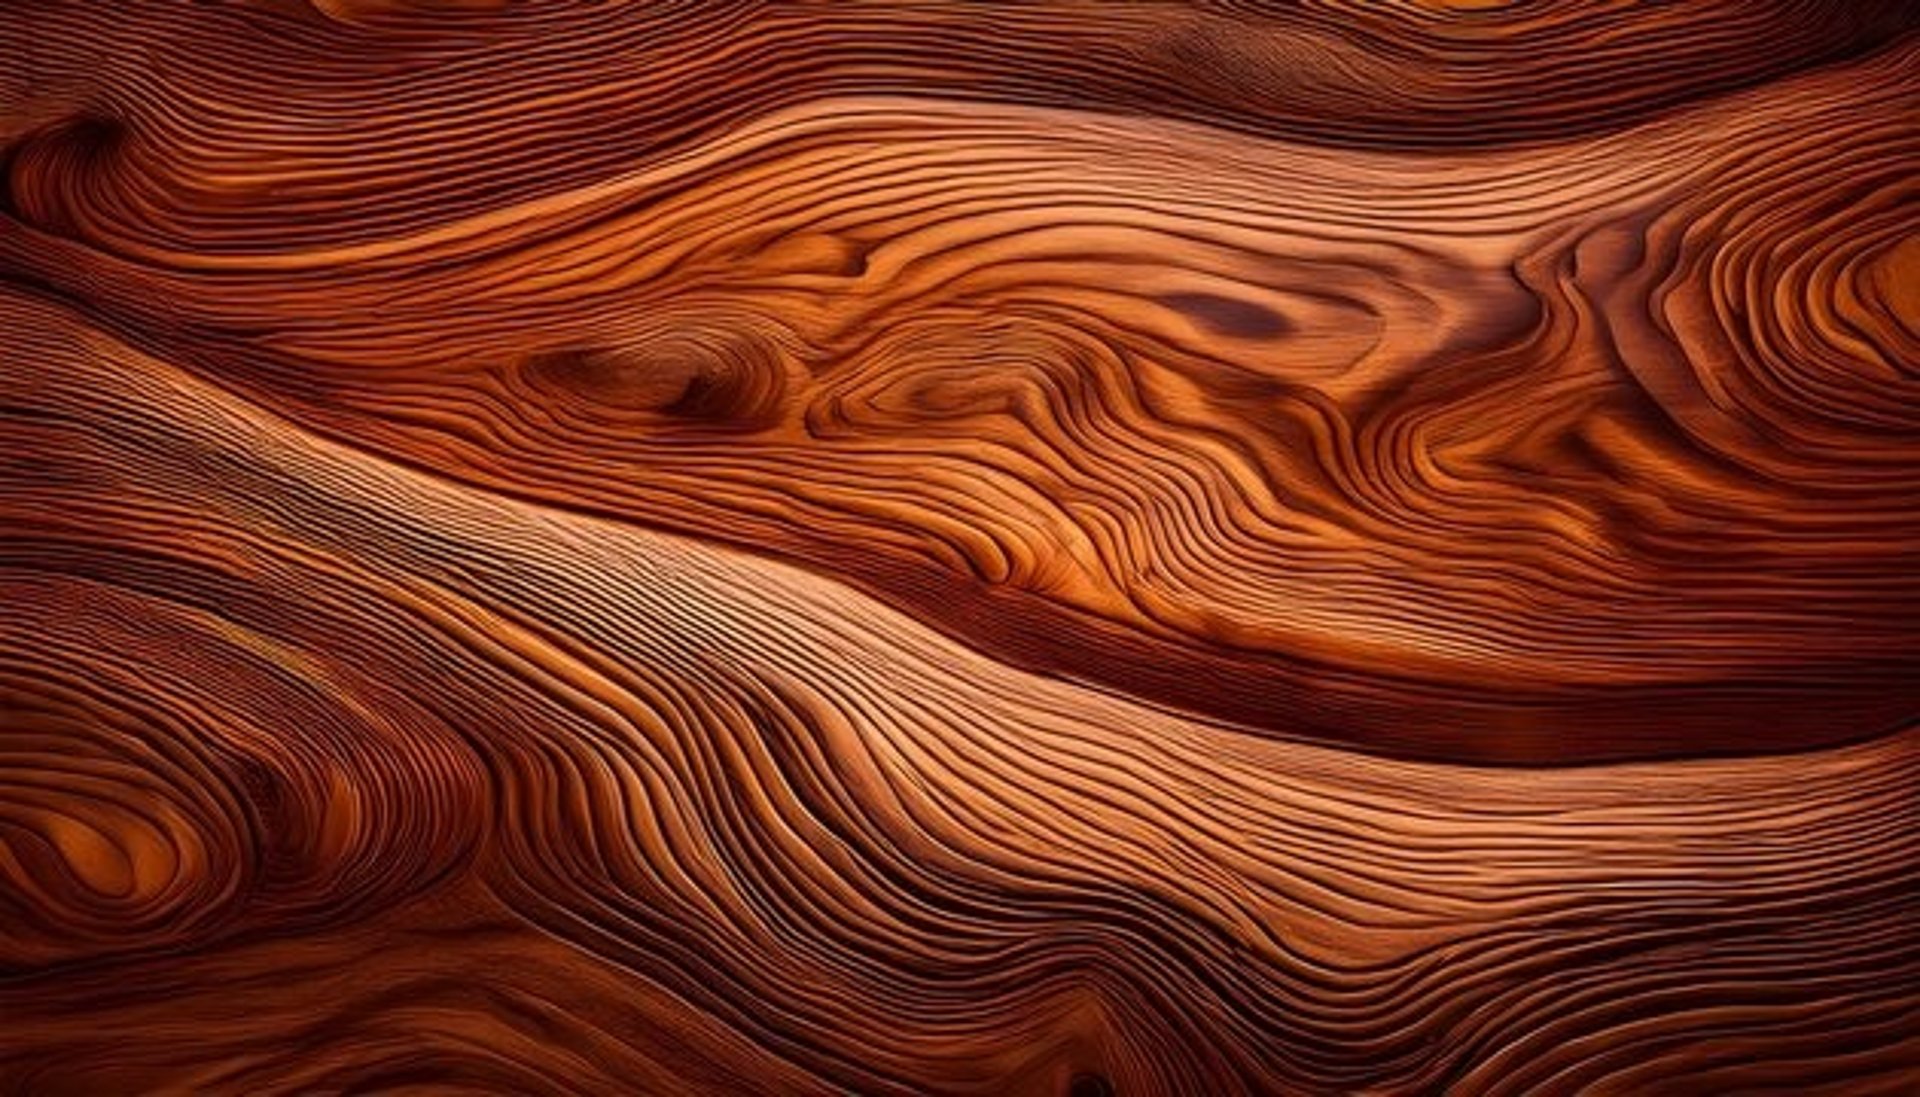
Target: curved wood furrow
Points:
(1187, 548)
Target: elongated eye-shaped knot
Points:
(701, 380)
(1230, 316)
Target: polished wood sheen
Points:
(1062, 548)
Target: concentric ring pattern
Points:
(901, 548)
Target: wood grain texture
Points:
(943, 548)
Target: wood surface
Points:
(904, 548)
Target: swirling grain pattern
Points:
(910, 548)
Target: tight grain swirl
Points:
(904, 548)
